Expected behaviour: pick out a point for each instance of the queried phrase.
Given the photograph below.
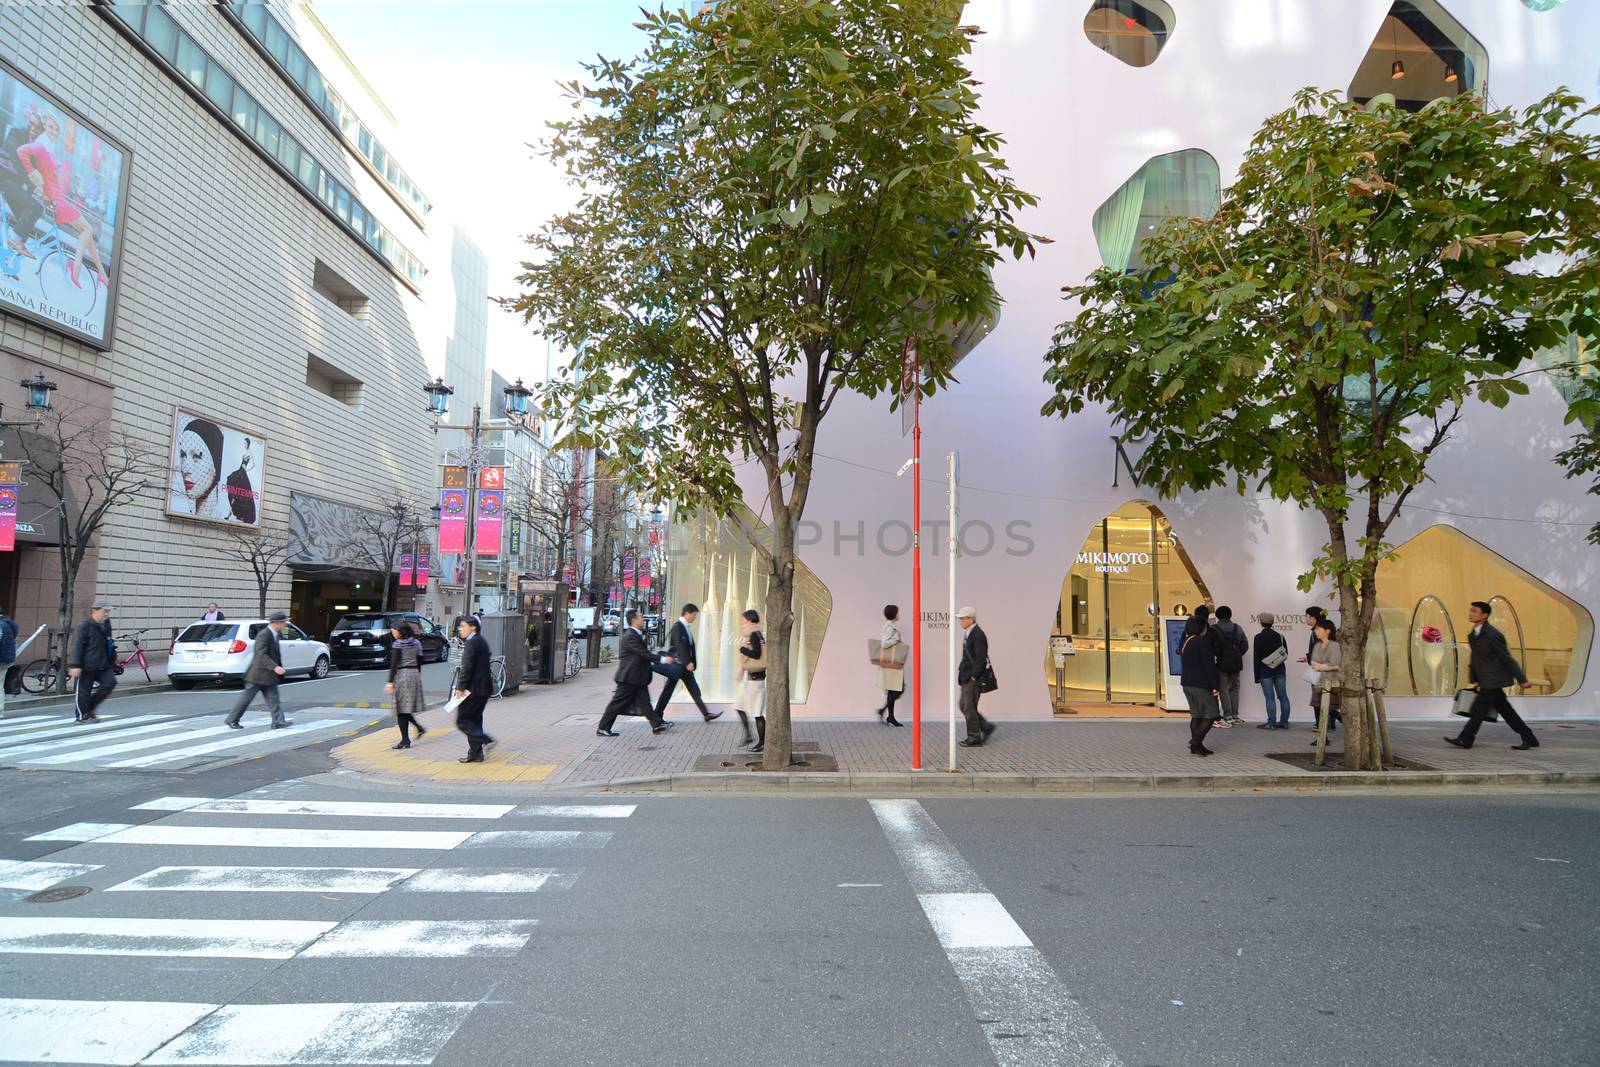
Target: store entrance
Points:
(1104, 649)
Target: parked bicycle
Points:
(40, 675)
(497, 676)
(136, 656)
(574, 662)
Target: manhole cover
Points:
(58, 893)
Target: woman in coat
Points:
(1325, 657)
(752, 699)
(1201, 682)
(405, 681)
(892, 680)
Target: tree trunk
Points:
(263, 587)
(779, 750)
(69, 582)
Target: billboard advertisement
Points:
(216, 471)
(63, 193)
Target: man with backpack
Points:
(1231, 645)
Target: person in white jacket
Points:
(891, 679)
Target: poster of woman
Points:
(216, 471)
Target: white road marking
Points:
(1550, 859)
(237, 740)
(404, 938)
(487, 880)
(78, 740)
(56, 726)
(208, 806)
(860, 885)
(404, 1033)
(346, 880)
(213, 728)
(254, 836)
(121, 1032)
(258, 939)
(539, 839)
(34, 875)
(1028, 1017)
(578, 811)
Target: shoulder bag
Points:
(1276, 657)
(987, 682)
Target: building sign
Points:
(63, 184)
(516, 535)
(1113, 562)
(216, 472)
(454, 478)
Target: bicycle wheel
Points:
(497, 677)
(39, 675)
(55, 281)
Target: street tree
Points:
(1370, 275)
(774, 196)
(552, 510)
(265, 552)
(1581, 457)
(84, 470)
(376, 537)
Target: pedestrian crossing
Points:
(158, 741)
(158, 896)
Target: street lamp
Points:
(39, 391)
(438, 398)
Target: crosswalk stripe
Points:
(577, 811)
(80, 735)
(345, 880)
(254, 836)
(206, 805)
(115, 748)
(121, 1032)
(34, 875)
(403, 1033)
(237, 740)
(61, 722)
(262, 939)
(539, 839)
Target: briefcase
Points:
(1465, 698)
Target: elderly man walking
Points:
(971, 673)
(90, 661)
(264, 674)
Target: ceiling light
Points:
(1397, 71)
(1449, 73)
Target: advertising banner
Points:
(8, 517)
(491, 510)
(216, 472)
(452, 520)
(63, 185)
(407, 563)
(492, 478)
(423, 562)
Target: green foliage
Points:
(1581, 459)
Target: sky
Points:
(471, 83)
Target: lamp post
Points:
(38, 390)
(516, 420)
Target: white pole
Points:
(955, 541)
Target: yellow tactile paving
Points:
(435, 759)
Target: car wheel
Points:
(181, 683)
(320, 668)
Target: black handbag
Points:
(987, 682)
(1465, 699)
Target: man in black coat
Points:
(264, 674)
(473, 687)
(632, 696)
(974, 663)
(1490, 671)
(89, 659)
(679, 665)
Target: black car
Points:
(363, 639)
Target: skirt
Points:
(407, 692)
(1202, 703)
(752, 698)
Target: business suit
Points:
(680, 646)
(632, 695)
(473, 676)
(974, 658)
(262, 677)
(1493, 668)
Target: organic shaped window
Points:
(1423, 596)
(1104, 647)
(1420, 54)
(1187, 182)
(1134, 31)
(1542, 5)
(1570, 364)
(714, 566)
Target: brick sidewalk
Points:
(546, 739)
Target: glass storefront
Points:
(1130, 571)
(1419, 54)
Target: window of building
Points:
(1420, 54)
(329, 380)
(1543, 5)
(1135, 31)
(339, 291)
(162, 33)
(219, 87)
(192, 62)
(1570, 364)
(1178, 183)
(1130, 572)
(1419, 644)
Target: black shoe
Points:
(235, 726)
(281, 725)
(487, 741)
(711, 715)
(660, 729)
(420, 731)
(403, 744)
(1526, 744)
(746, 740)
(666, 724)
(1202, 751)
(988, 728)
(1456, 741)
(606, 733)
(878, 712)
(970, 743)
(759, 747)
(1265, 726)
(892, 721)
(471, 759)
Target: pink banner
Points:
(8, 518)
(407, 563)
(422, 570)
(491, 510)
(452, 520)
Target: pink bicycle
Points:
(136, 656)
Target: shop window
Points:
(714, 566)
(1178, 183)
(1420, 54)
(1130, 572)
(1134, 31)
(1421, 628)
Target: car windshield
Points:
(368, 623)
(206, 632)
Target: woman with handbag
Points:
(405, 681)
(891, 665)
(1325, 657)
(752, 699)
(1200, 681)
(1271, 655)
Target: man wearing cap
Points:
(264, 674)
(974, 663)
(89, 661)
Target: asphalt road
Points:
(704, 931)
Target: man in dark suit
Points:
(92, 661)
(632, 696)
(974, 661)
(473, 687)
(679, 664)
(1491, 669)
(264, 674)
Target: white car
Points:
(221, 652)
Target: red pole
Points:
(916, 578)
